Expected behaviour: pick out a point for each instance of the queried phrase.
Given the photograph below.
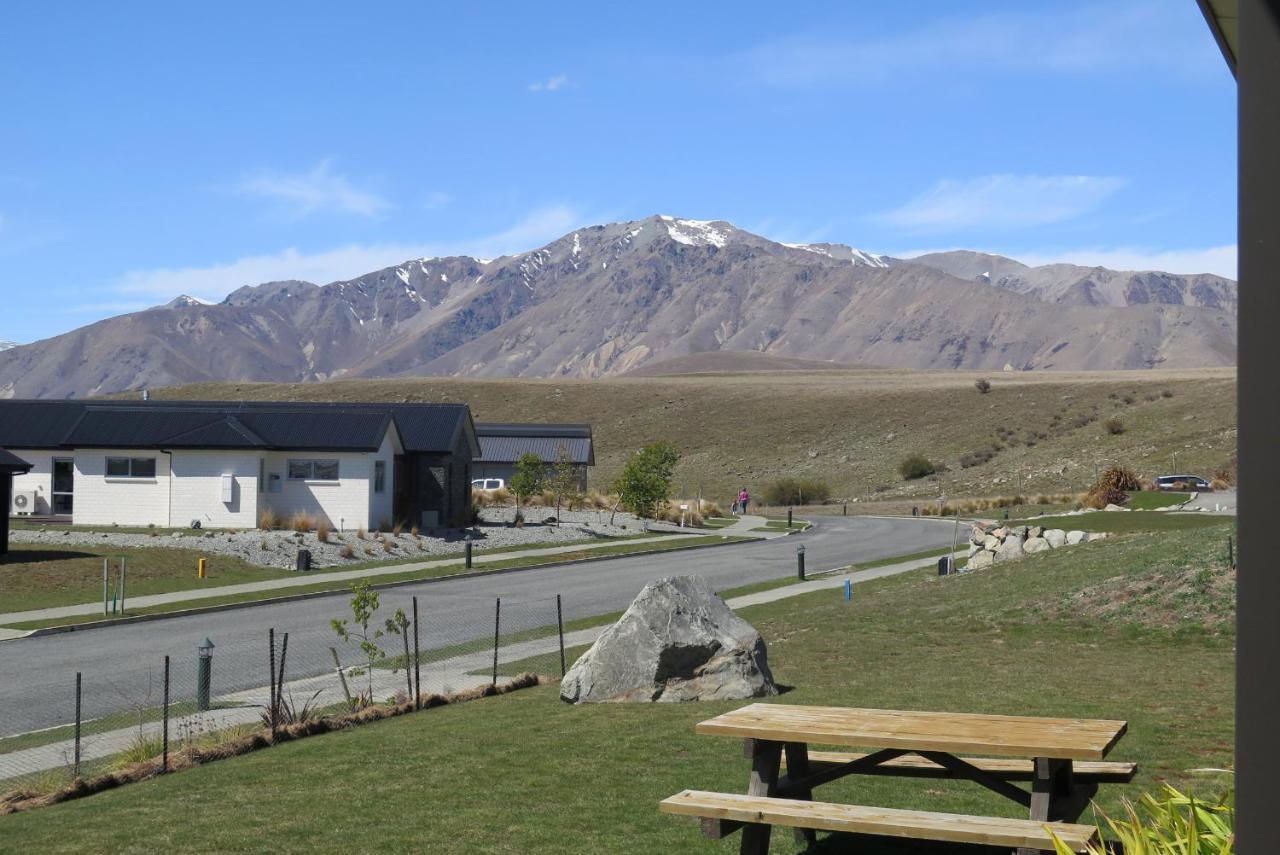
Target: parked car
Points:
(488, 484)
(1174, 482)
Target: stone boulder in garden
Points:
(677, 641)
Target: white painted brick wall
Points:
(197, 489)
(380, 504)
(40, 478)
(344, 502)
(125, 501)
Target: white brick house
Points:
(170, 464)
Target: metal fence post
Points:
(164, 761)
(124, 568)
(417, 661)
(1231, 553)
(77, 724)
(271, 681)
(560, 625)
(497, 622)
(105, 562)
(284, 650)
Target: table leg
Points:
(798, 769)
(766, 757)
(1051, 790)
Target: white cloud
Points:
(318, 191)
(1215, 259)
(1034, 37)
(345, 262)
(1003, 201)
(551, 84)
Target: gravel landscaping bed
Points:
(279, 548)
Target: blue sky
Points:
(148, 149)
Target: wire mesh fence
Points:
(65, 724)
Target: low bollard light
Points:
(204, 674)
(788, 517)
(800, 561)
(848, 589)
(466, 546)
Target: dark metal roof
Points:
(528, 429)
(432, 428)
(505, 442)
(12, 464)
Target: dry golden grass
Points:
(751, 428)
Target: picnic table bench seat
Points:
(734, 810)
(1007, 768)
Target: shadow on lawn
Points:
(864, 844)
(33, 556)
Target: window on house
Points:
(313, 470)
(131, 467)
(379, 476)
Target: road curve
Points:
(121, 664)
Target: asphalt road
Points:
(122, 664)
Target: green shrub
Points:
(797, 491)
(916, 466)
(1170, 824)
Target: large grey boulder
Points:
(677, 641)
(980, 559)
(1075, 536)
(1056, 537)
(1035, 544)
(1011, 548)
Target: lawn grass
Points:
(1129, 521)
(1149, 500)
(37, 575)
(529, 773)
(322, 586)
(717, 522)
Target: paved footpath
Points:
(453, 674)
(743, 527)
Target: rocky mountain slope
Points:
(608, 299)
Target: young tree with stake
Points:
(356, 632)
(645, 481)
(527, 479)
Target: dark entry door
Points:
(64, 485)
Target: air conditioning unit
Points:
(23, 503)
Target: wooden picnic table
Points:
(1061, 757)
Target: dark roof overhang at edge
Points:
(12, 464)
(1223, 18)
(505, 442)
(428, 428)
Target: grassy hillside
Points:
(1135, 627)
(851, 427)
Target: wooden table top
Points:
(1001, 735)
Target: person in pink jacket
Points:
(744, 498)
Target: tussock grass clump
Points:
(983, 386)
(1113, 487)
(348, 552)
(1114, 426)
(268, 520)
(322, 530)
(916, 466)
(302, 522)
(361, 534)
(711, 509)
(670, 512)
(797, 491)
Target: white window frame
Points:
(312, 464)
(132, 475)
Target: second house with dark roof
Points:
(171, 464)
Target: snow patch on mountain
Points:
(696, 232)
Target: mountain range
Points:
(611, 299)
